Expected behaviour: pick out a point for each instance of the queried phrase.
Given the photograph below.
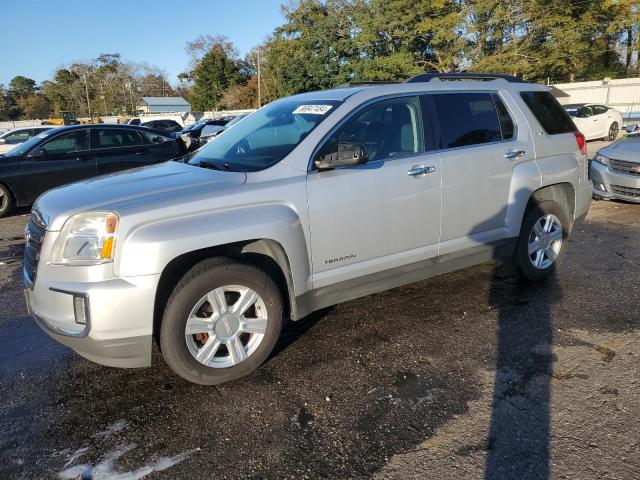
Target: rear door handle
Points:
(142, 152)
(421, 170)
(513, 154)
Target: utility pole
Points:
(259, 91)
(86, 90)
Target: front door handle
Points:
(421, 170)
(142, 152)
(513, 154)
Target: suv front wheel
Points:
(221, 322)
(543, 240)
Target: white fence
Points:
(622, 94)
(20, 123)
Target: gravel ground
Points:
(472, 374)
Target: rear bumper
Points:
(118, 317)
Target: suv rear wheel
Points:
(543, 240)
(221, 322)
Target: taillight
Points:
(582, 142)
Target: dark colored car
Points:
(196, 135)
(63, 155)
(167, 126)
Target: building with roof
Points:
(163, 105)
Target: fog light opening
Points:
(599, 186)
(80, 309)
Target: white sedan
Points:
(16, 136)
(596, 121)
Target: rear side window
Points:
(117, 138)
(467, 119)
(553, 118)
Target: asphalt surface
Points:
(473, 374)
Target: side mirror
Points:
(157, 139)
(346, 155)
(2, 140)
(38, 153)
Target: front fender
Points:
(150, 247)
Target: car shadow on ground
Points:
(518, 441)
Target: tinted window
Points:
(69, 142)
(599, 109)
(387, 129)
(584, 112)
(506, 122)
(467, 119)
(552, 117)
(117, 138)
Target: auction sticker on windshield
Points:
(313, 109)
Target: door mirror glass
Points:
(38, 153)
(346, 154)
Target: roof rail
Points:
(483, 77)
(366, 83)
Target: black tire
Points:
(522, 258)
(614, 130)
(6, 201)
(197, 282)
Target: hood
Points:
(626, 149)
(117, 192)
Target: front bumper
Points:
(118, 312)
(613, 185)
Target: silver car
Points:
(313, 200)
(615, 170)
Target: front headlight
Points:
(86, 239)
(601, 159)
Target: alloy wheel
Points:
(545, 241)
(226, 326)
(613, 131)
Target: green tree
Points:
(211, 77)
(35, 106)
(21, 87)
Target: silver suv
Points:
(314, 200)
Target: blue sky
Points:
(39, 35)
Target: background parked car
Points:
(194, 135)
(595, 120)
(66, 154)
(11, 138)
(615, 171)
(167, 126)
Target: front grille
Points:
(33, 236)
(626, 191)
(626, 168)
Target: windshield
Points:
(265, 137)
(24, 147)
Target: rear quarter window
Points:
(552, 117)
